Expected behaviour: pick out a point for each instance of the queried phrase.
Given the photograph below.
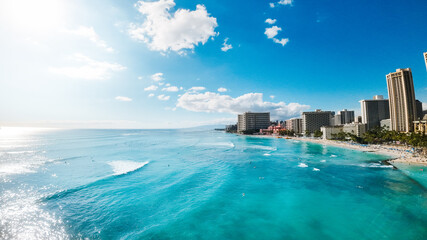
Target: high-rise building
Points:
(401, 100)
(425, 58)
(419, 107)
(253, 121)
(343, 117)
(374, 110)
(312, 121)
(358, 119)
(294, 124)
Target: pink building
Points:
(273, 129)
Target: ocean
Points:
(200, 184)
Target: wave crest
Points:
(124, 167)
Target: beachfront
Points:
(398, 154)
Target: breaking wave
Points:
(303, 165)
(124, 167)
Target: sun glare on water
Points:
(13, 132)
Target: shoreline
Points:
(397, 154)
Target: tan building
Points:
(357, 129)
(425, 58)
(329, 131)
(420, 126)
(401, 100)
(253, 121)
(294, 124)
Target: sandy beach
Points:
(398, 154)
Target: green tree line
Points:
(380, 135)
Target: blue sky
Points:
(164, 64)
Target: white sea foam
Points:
(267, 154)
(322, 160)
(263, 147)
(333, 155)
(316, 169)
(224, 144)
(303, 165)
(220, 144)
(375, 165)
(123, 167)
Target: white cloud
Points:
(285, 2)
(161, 83)
(272, 96)
(151, 88)
(215, 102)
(225, 46)
(270, 21)
(171, 89)
(151, 95)
(272, 5)
(177, 31)
(195, 89)
(140, 78)
(221, 89)
(272, 31)
(89, 33)
(163, 97)
(282, 41)
(167, 84)
(157, 77)
(123, 99)
(91, 69)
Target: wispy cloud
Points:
(163, 97)
(195, 89)
(157, 77)
(151, 95)
(281, 2)
(171, 89)
(177, 31)
(215, 102)
(91, 69)
(270, 21)
(123, 99)
(225, 46)
(89, 33)
(151, 88)
(285, 2)
(282, 41)
(221, 89)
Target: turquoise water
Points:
(194, 184)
